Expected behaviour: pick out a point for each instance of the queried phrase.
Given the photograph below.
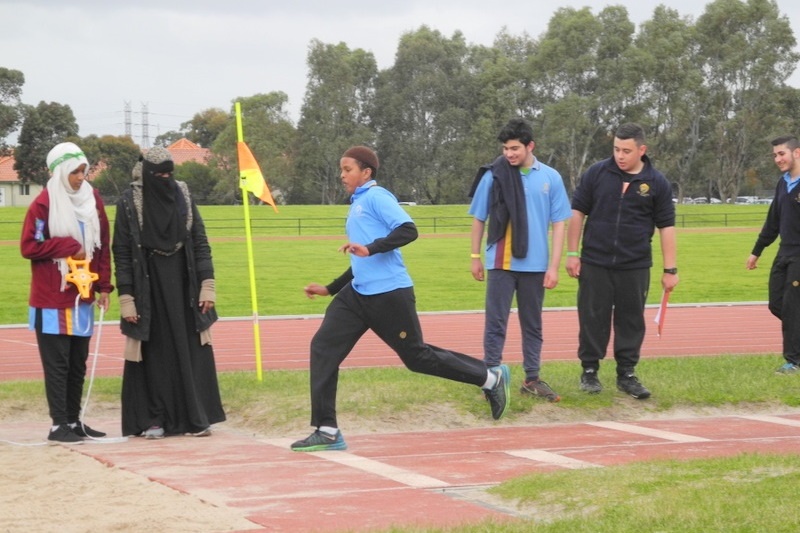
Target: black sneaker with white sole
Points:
(63, 434)
(84, 431)
(590, 382)
(630, 385)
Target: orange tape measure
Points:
(80, 275)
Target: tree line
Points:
(711, 92)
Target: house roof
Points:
(7, 172)
(182, 150)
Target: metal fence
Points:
(276, 226)
(272, 226)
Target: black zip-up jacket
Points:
(782, 219)
(619, 228)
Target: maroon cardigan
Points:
(45, 277)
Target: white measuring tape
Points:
(105, 440)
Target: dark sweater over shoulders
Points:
(507, 205)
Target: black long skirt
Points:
(175, 385)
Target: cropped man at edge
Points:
(783, 219)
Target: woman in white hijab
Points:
(66, 220)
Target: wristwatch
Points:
(670, 271)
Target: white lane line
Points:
(551, 458)
(772, 420)
(660, 434)
(400, 475)
(280, 443)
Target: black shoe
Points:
(629, 384)
(590, 382)
(82, 430)
(64, 434)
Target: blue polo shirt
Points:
(374, 213)
(790, 184)
(546, 202)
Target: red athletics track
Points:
(688, 330)
(432, 478)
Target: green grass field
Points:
(300, 244)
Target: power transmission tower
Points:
(145, 127)
(128, 120)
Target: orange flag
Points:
(250, 174)
(662, 312)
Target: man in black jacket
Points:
(625, 199)
(784, 278)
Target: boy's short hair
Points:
(790, 141)
(516, 129)
(631, 130)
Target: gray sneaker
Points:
(498, 395)
(320, 441)
(590, 382)
(153, 432)
(629, 384)
(540, 389)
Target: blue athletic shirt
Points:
(546, 202)
(374, 213)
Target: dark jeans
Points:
(393, 318)
(784, 303)
(604, 293)
(64, 364)
(500, 288)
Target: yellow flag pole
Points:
(248, 235)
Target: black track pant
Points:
(609, 297)
(784, 303)
(392, 316)
(64, 363)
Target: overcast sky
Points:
(179, 57)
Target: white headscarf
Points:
(68, 207)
